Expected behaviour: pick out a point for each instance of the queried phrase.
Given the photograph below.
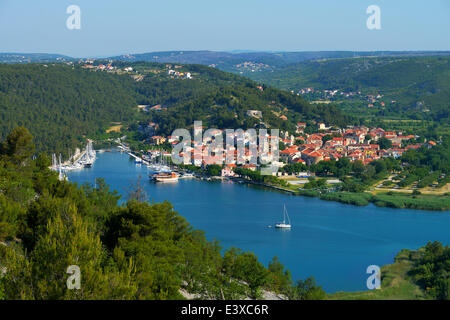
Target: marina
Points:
(78, 161)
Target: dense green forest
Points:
(62, 104)
(226, 108)
(419, 85)
(138, 250)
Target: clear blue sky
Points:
(110, 27)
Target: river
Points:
(331, 241)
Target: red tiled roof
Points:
(289, 151)
(315, 154)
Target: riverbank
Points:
(389, 199)
(415, 275)
(396, 284)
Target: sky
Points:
(113, 27)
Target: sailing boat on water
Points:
(283, 224)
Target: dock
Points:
(138, 159)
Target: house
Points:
(394, 153)
(314, 139)
(430, 144)
(157, 140)
(322, 126)
(156, 108)
(413, 146)
(250, 167)
(300, 127)
(227, 171)
(311, 157)
(355, 156)
(299, 160)
(289, 154)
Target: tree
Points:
(358, 167)
(279, 280)
(69, 243)
(307, 290)
(213, 170)
(137, 192)
(326, 138)
(246, 267)
(18, 146)
(384, 143)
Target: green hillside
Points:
(419, 85)
(61, 104)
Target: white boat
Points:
(283, 224)
(138, 160)
(187, 175)
(165, 177)
(158, 168)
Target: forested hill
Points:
(61, 104)
(419, 85)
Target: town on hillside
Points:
(326, 143)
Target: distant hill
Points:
(230, 61)
(223, 60)
(32, 57)
(417, 84)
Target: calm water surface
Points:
(333, 242)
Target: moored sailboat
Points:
(283, 224)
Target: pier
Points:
(138, 159)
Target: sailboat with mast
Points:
(284, 225)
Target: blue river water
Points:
(331, 241)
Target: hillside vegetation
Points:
(419, 85)
(414, 275)
(62, 104)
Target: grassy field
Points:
(403, 200)
(114, 128)
(436, 189)
(395, 283)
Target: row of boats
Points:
(86, 160)
(161, 172)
